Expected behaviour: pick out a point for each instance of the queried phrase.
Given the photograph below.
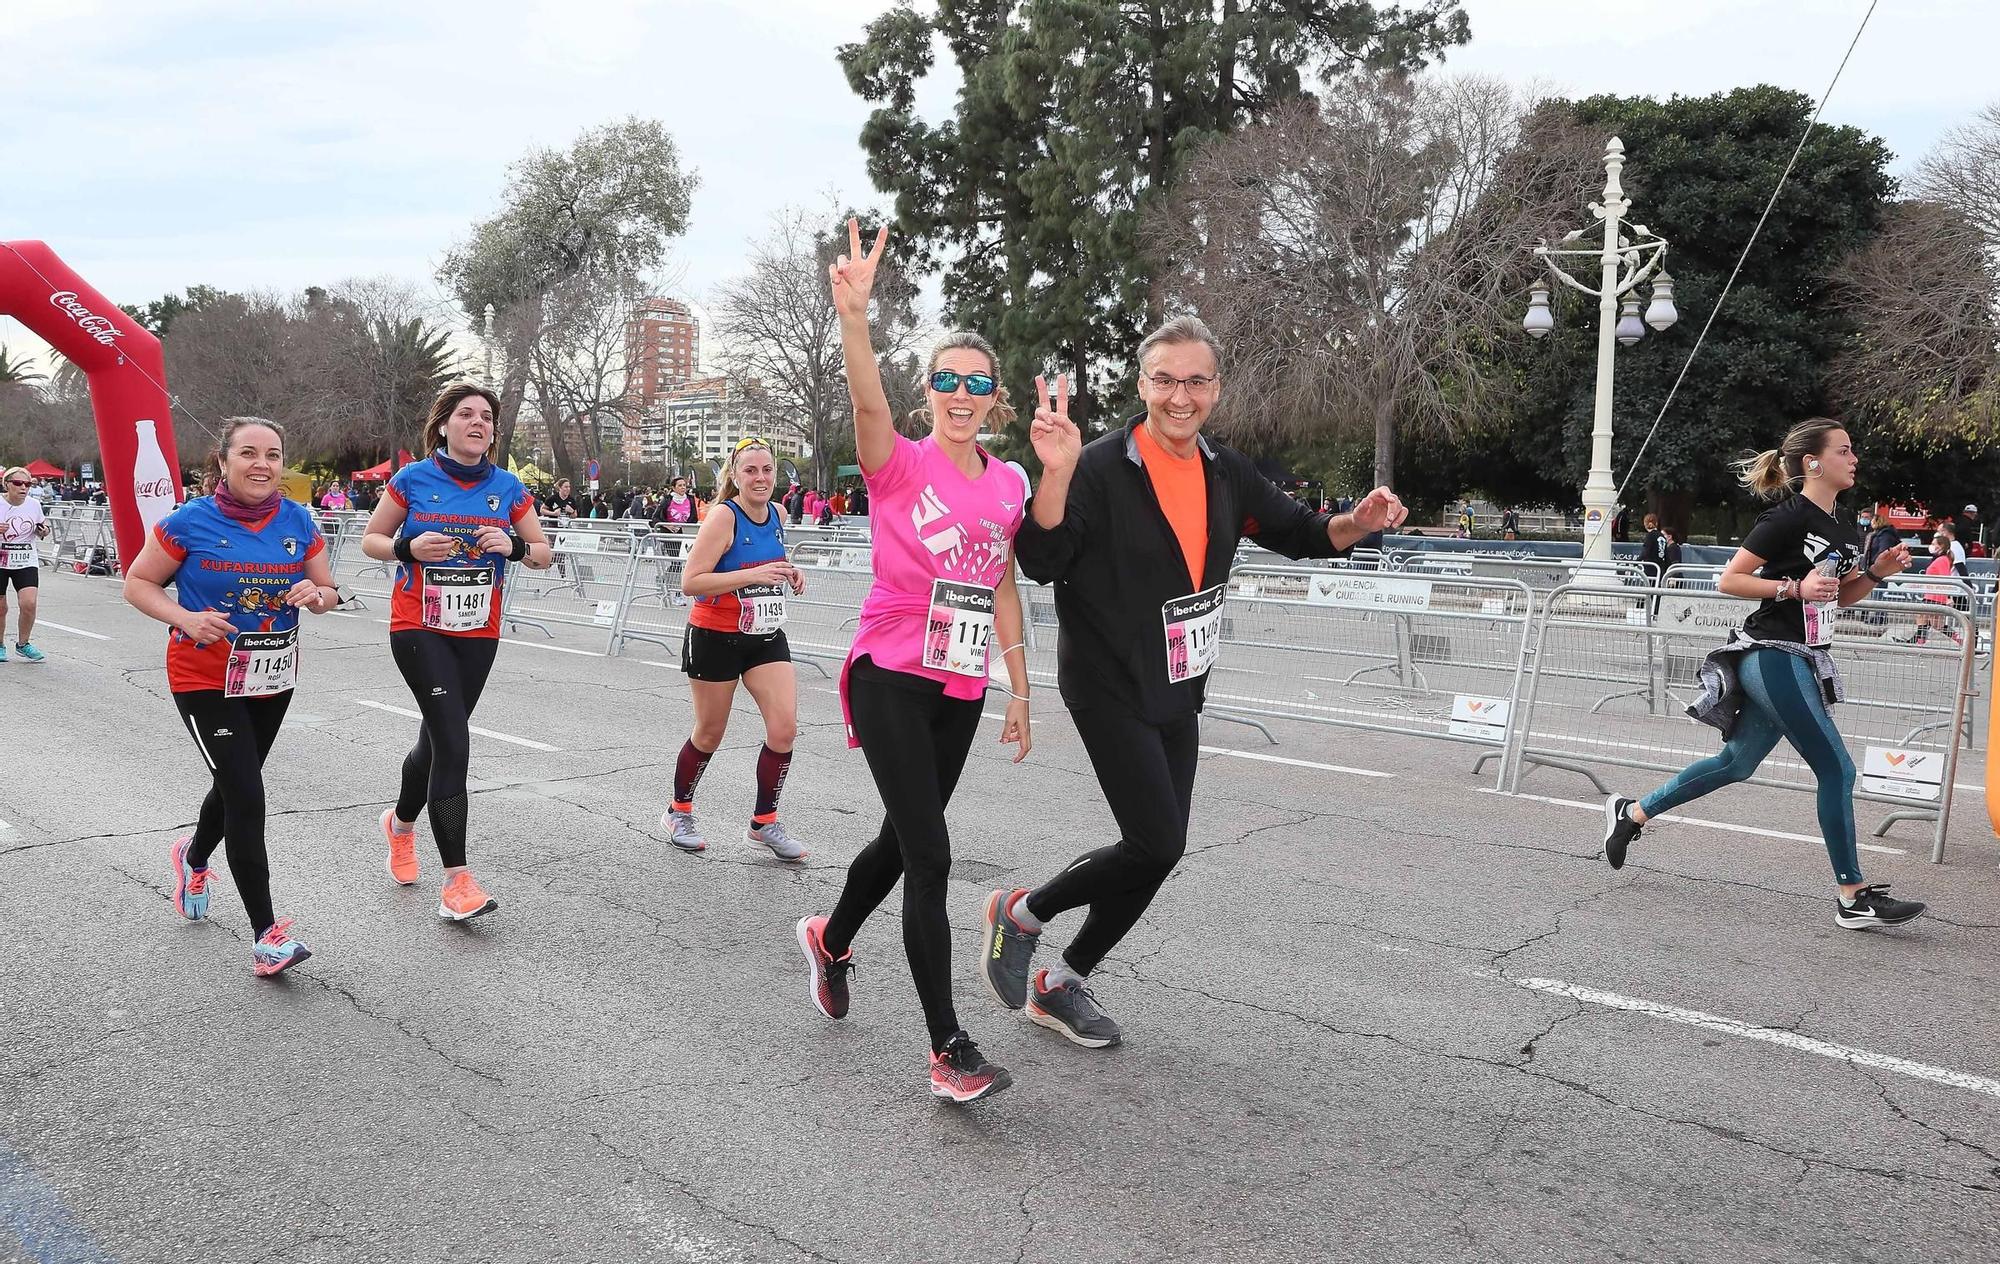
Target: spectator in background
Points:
(561, 503)
(1672, 548)
(1510, 524)
(857, 500)
(839, 502)
(1968, 531)
(1653, 550)
(335, 498)
(1952, 544)
(1465, 521)
(795, 503)
(1875, 540)
(1621, 525)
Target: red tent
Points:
(42, 469)
(373, 474)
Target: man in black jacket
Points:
(1137, 532)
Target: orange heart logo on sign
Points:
(1896, 760)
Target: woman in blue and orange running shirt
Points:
(243, 563)
(453, 521)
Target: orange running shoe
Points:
(463, 899)
(402, 862)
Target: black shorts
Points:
(723, 656)
(23, 578)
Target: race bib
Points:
(763, 609)
(1194, 630)
(262, 664)
(960, 628)
(458, 598)
(1819, 621)
(18, 556)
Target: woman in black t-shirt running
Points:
(1774, 679)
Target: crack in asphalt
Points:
(687, 1191)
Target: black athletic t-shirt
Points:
(1792, 537)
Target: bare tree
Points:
(1359, 255)
(777, 327)
(1963, 171)
(579, 364)
(1923, 294)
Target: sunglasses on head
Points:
(944, 382)
(752, 442)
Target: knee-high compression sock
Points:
(688, 768)
(771, 769)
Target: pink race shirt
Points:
(931, 522)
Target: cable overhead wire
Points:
(1733, 272)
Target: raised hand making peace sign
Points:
(852, 275)
(1057, 440)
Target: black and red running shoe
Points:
(962, 1074)
(827, 974)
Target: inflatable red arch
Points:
(127, 377)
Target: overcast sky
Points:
(278, 145)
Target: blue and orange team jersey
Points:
(434, 500)
(242, 571)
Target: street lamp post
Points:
(1625, 263)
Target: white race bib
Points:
(458, 598)
(959, 629)
(262, 664)
(1819, 621)
(1194, 633)
(763, 609)
(18, 555)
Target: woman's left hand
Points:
(308, 595)
(1016, 729)
(1898, 559)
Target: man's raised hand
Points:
(1057, 440)
(852, 275)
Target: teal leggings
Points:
(1781, 698)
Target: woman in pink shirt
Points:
(913, 686)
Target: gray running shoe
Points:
(1008, 951)
(782, 845)
(682, 831)
(1071, 1010)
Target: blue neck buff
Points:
(462, 472)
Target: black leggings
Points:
(445, 675)
(915, 740)
(235, 735)
(1147, 773)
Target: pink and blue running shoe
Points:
(276, 950)
(190, 883)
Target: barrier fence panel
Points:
(1904, 719)
(1407, 654)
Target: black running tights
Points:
(915, 740)
(235, 735)
(1147, 773)
(445, 675)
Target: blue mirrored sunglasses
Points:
(944, 382)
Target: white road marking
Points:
(64, 627)
(1695, 820)
(1294, 763)
(1770, 1035)
(544, 645)
(474, 728)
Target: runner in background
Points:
(1774, 678)
(738, 576)
(913, 686)
(1138, 532)
(243, 563)
(21, 524)
(452, 521)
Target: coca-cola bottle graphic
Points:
(152, 481)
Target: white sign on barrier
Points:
(1481, 719)
(1903, 774)
(1373, 592)
(576, 542)
(606, 612)
(1636, 615)
(1717, 614)
(1492, 605)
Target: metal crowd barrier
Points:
(1421, 655)
(1905, 719)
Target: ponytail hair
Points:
(1779, 471)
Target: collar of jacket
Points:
(1132, 441)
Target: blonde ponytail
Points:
(1764, 474)
(1782, 469)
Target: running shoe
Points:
(1619, 829)
(3, 651)
(962, 1074)
(782, 845)
(681, 830)
(276, 950)
(28, 652)
(1870, 907)
(402, 861)
(463, 899)
(190, 883)
(826, 974)
(1072, 1010)
(1009, 950)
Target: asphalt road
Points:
(1373, 1017)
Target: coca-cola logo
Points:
(153, 488)
(100, 328)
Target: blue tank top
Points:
(749, 545)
